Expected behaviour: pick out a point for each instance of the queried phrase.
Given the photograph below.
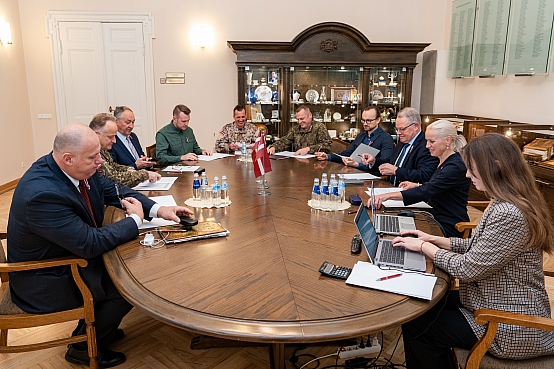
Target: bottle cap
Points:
(216, 178)
(223, 177)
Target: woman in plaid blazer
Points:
(499, 267)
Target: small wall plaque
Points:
(175, 80)
(175, 75)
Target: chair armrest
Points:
(483, 316)
(40, 264)
(493, 317)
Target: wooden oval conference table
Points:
(261, 283)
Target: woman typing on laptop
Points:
(448, 187)
(499, 267)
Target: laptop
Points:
(390, 224)
(381, 252)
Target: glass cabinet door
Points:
(385, 91)
(262, 90)
(333, 95)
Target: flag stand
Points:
(262, 186)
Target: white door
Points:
(103, 65)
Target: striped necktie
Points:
(132, 148)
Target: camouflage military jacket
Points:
(121, 173)
(231, 133)
(298, 138)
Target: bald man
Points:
(50, 217)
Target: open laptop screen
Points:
(367, 232)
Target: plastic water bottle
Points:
(216, 192)
(334, 193)
(324, 199)
(205, 191)
(316, 193)
(196, 196)
(224, 191)
(243, 151)
(342, 189)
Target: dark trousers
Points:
(429, 338)
(108, 314)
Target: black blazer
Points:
(48, 219)
(418, 165)
(121, 154)
(446, 192)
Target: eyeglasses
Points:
(404, 128)
(369, 120)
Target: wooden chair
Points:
(475, 211)
(478, 357)
(338, 145)
(12, 317)
(151, 151)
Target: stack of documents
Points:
(163, 184)
(410, 283)
(359, 177)
(290, 154)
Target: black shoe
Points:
(106, 358)
(118, 335)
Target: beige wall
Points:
(210, 89)
(16, 140)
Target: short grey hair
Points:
(446, 128)
(411, 114)
(118, 112)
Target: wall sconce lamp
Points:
(203, 36)
(5, 33)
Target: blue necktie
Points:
(399, 161)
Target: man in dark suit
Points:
(410, 159)
(373, 136)
(57, 210)
(127, 150)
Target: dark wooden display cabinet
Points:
(332, 68)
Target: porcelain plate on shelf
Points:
(312, 96)
(336, 116)
(264, 93)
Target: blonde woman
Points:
(447, 189)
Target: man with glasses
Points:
(410, 159)
(126, 150)
(373, 136)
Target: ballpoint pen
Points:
(319, 148)
(389, 277)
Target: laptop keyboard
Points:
(391, 254)
(389, 224)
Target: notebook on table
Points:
(176, 234)
(381, 252)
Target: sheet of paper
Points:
(363, 149)
(167, 200)
(412, 284)
(291, 154)
(214, 156)
(163, 184)
(180, 168)
(397, 203)
(350, 177)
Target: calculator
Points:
(335, 271)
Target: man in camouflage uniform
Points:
(306, 138)
(233, 134)
(106, 129)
